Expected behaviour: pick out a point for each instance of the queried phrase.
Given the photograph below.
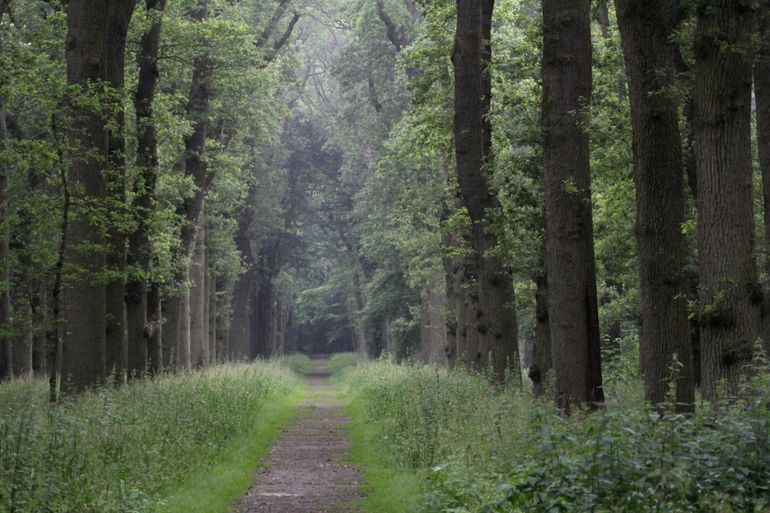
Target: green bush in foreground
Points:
(121, 449)
(498, 451)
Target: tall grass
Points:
(121, 449)
(489, 450)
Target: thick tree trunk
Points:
(95, 53)
(570, 265)
(658, 175)
(730, 294)
(199, 348)
(139, 327)
(762, 95)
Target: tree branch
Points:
(394, 33)
(281, 41)
(275, 19)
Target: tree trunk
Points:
(729, 292)
(570, 265)
(6, 357)
(155, 323)
(238, 343)
(658, 175)
(140, 328)
(762, 95)
(40, 311)
(183, 360)
(432, 326)
(171, 309)
(199, 349)
(489, 289)
(540, 369)
(215, 355)
(23, 341)
(95, 54)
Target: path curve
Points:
(305, 471)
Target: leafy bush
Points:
(496, 451)
(121, 449)
(297, 362)
(341, 361)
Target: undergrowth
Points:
(499, 451)
(341, 361)
(298, 362)
(121, 449)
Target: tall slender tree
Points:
(729, 292)
(142, 317)
(95, 53)
(571, 269)
(646, 29)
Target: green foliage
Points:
(494, 451)
(341, 361)
(297, 362)
(122, 449)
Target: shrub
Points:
(341, 361)
(297, 362)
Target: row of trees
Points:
(134, 136)
(453, 181)
(529, 136)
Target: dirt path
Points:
(306, 471)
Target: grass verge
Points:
(215, 489)
(389, 488)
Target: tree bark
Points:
(570, 265)
(646, 29)
(762, 95)
(140, 327)
(95, 53)
(729, 292)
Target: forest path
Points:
(305, 471)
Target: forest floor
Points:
(307, 470)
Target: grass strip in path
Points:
(388, 488)
(213, 489)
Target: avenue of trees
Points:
(571, 187)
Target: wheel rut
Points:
(306, 470)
